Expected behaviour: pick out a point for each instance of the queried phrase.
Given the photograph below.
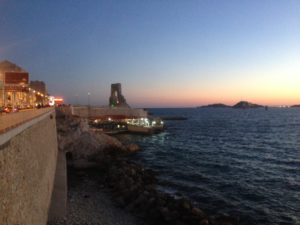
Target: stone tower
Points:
(116, 98)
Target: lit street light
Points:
(89, 94)
(89, 108)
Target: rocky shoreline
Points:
(89, 202)
(131, 186)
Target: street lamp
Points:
(89, 108)
(89, 94)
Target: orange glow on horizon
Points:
(272, 96)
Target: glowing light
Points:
(51, 101)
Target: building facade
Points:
(14, 85)
(15, 90)
(40, 91)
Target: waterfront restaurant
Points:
(119, 116)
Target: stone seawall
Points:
(27, 170)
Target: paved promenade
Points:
(12, 120)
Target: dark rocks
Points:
(186, 204)
(84, 145)
(198, 212)
(204, 222)
(132, 187)
(86, 196)
(131, 148)
(226, 220)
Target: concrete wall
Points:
(28, 157)
(58, 208)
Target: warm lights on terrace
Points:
(145, 122)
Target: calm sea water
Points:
(230, 161)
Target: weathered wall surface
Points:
(27, 170)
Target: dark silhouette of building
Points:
(116, 98)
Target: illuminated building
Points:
(15, 90)
(58, 101)
(13, 85)
(40, 91)
(119, 116)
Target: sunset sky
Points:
(166, 53)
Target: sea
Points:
(239, 162)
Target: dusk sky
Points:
(166, 53)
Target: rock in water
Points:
(131, 148)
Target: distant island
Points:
(216, 105)
(239, 105)
(246, 105)
(295, 106)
